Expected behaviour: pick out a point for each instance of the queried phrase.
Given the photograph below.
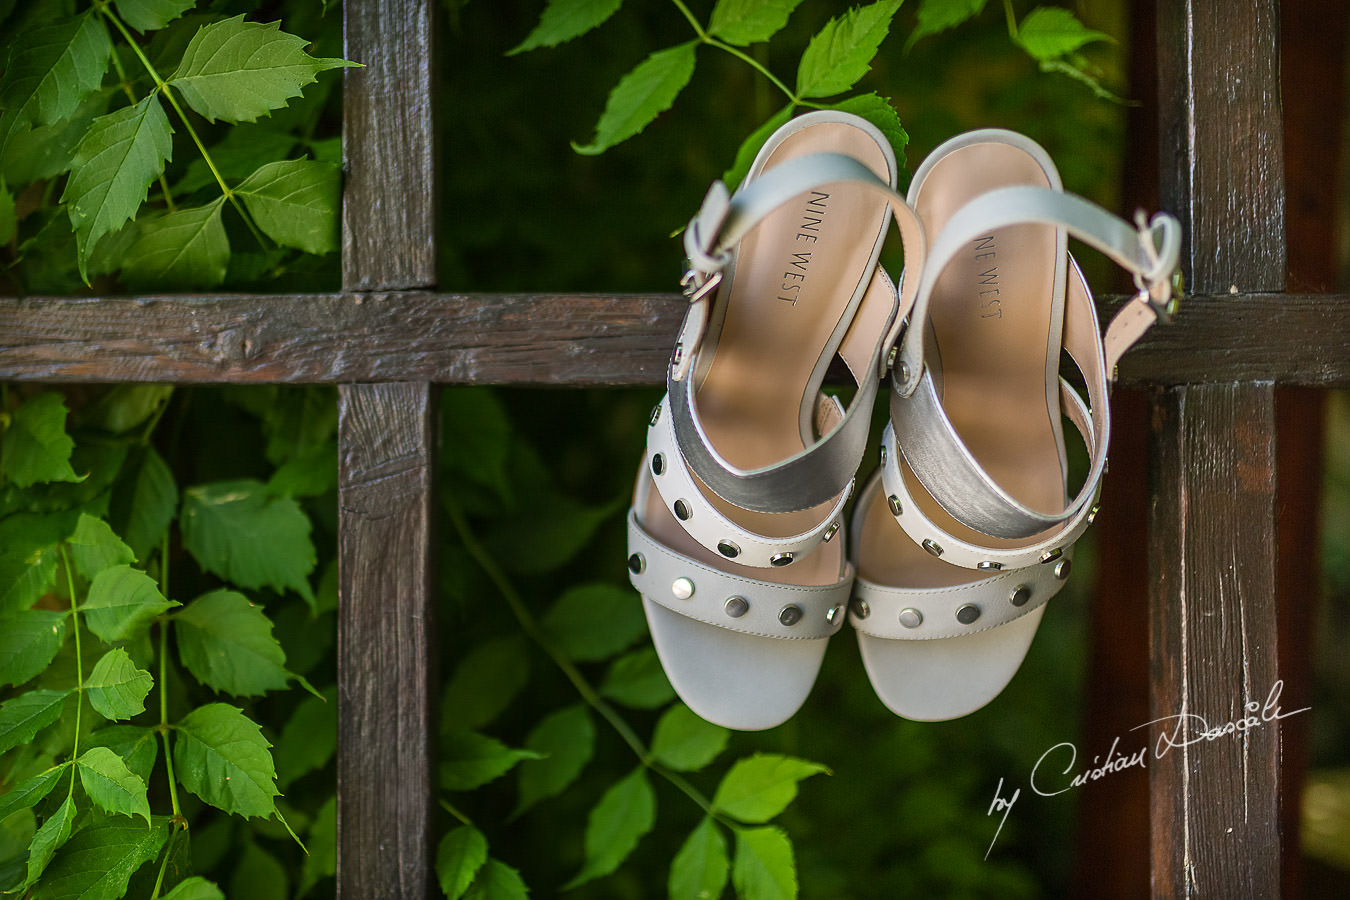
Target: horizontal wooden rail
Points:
(563, 339)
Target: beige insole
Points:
(991, 314)
(794, 277)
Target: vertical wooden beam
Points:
(1215, 804)
(388, 139)
(385, 641)
(387, 441)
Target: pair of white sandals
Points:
(736, 535)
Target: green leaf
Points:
(147, 502)
(49, 838)
(36, 448)
(563, 20)
(235, 530)
(258, 875)
(624, 814)
(98, 862)
(150, 15)
(221, 756)
(115, 162)
(116, 687)
(29, 641)
(8, 224)
(759, 787)
(298, 420)
(295, 203)
(24, 716)
(637, 680)
(470, 760)
(485, 682)
(764, 868)
(126, 406)
(226, 643)
(186, 248)
(111, 785)
(54, 67)
(594, 621)
(565, 741)
(94, 547)
(237, 71)
(309, 739)
(641, 95)
(842, 51)
(27, 571)
(195, 888)
(699, 870)
(936, 16)
(555, 527)
(138, 747)
(480, 452)
(880, 112)
(460, 855)
(122, 603)
(29, 153)
(497, 881)
(686, 743)
(745, 22)
(27, 794)
(311, 474)
(1049, 32)
(322, 859)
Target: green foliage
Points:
(97, 687)
(122, 119)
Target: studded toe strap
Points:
(748, 605)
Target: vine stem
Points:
(450, 808)
(531, 628)
(79, 665)
(164, 683)
(162, 87)
(740, 54)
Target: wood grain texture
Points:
(1215, 804)
(386, 671)
(563, 339)
(390, 196)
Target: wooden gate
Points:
(389, 337)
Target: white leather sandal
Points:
(967, 530)
(735, 535)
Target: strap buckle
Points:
(697, 285)
(1160, 284)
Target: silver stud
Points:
(1020, 595)
(830, 532)
(636, 563)
(967, 614)
(1092, 513)
(677, 356)
(736, 607)
(890, 357)
(682, 510)
(834, 613)
(989, 566)
(1062, 569)
(790, 614)
(1051, 555)
(728, 549)
(883, 454)
(932, 547)
(894, 503)
(780, 559)
(682, 588)
(656, 415)
(903, 373)
(911, 617)
(860, 608)
(658, 464)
